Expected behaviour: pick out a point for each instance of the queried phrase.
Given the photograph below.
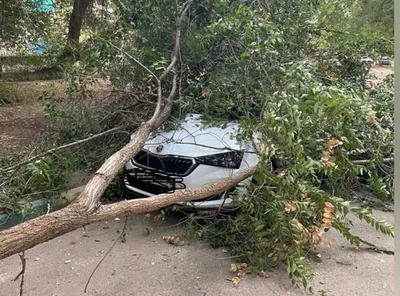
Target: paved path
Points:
(146, 266)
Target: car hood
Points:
(193, 139)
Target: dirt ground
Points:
(380, 72)
(21, 124)
(145, 265)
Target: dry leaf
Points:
(329, 205)
(264, 274)
(67, 261)
(173, 240)
(327, 215)
(233, 268)
(252, 208)
(235, 280)
(373, 119)
(206, 92)
(330, 244)
(325, 158)
(331, 143)
(290, 208)
(357, 249)
(331, 164)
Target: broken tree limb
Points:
(54, 150)
(47, 227)
(366, 161)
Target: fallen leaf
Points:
(173, 240)
(233, 268)
(264, 274)
(67, 261)
(235, 280)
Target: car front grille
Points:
(148, 187)
(175, 165)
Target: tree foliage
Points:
(22, 22)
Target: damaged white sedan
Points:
(191, 156)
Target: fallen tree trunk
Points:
(44, 228)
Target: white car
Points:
(367, 59)
(188, 157)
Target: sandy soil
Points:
(380, 72)
(21, 124)
(146, 265)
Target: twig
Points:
(135, 60)
(108, 252)
(21, 273)
(205, 146)
(366, 161)
(53, 150)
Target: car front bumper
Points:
(201, 176)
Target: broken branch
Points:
(53, 150)
(47, 227)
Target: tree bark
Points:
(74, 29)
(76, 19)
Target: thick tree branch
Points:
(44, 228)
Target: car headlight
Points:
(231, 159)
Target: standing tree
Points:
(79, 11)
